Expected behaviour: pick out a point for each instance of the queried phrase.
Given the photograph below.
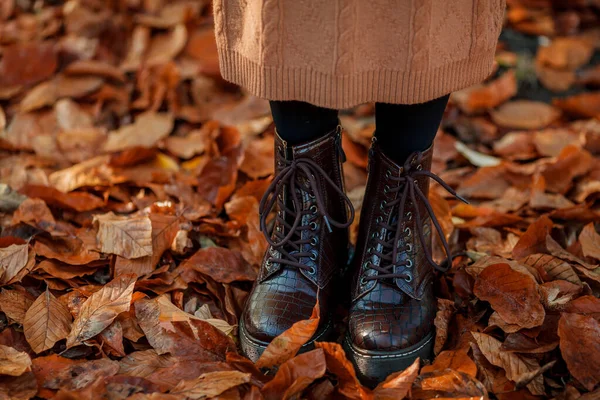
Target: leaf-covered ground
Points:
(130, 179)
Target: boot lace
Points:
(392, 245)
(288, 241)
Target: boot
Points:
(393, 305)
(308, 245)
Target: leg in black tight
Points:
(298, 122)
(403, 129)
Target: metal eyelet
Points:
(388, 174)
(416, 182)
(314, 241)
(409, 215)
(278, 229)
(407, 231)
(410, 264)
(313, 209)
(312, 271)
(280, 197)
(366, 265)
(313, 226)
(312, 196)
(379, 219)
(313, 256)
(268, 263)
(419, 167)
(408, 278)
(386, 189)
(382, 205)
(409, 248)
(363, 281)
(374, 235)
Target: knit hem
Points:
(345, 91)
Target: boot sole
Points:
(373, 366)
(253, 348)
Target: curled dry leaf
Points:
(286, 345)
(553, 267)
(101, 308)
(295, 375)
(166, 47)
(15, 303)
(534, 239)
(87, 173)
(580, 347)
(443, 316)
(147, 129)
(590, 241)
(398, 384)
(210, 384)
(129, 237)
(164, 229)
(525, 114)
(338, 365)
(220, 264)
(448, 384)
(46, 322)
(457, 360)
(515, 366)
(13, 362)
(512, 294)
(484, 97)
(14, 259)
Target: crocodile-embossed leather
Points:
(295, 269)
(393, 305)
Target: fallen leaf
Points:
(79, 375)
(101, 308)
(580, 348)
(512, 294)
(147, 129)
(590, 241)
(534, 239)
(13, 260)
(443, 316)
(554, 267)
(129, 237)
(457, 360)
(566, 53)
(220, 264)
(586, 105)
(483, 97)
(258, 159)
(46, 322)
(398, 384)
(15, 303)
(210, 384)
(476, 158)
(448, 384)
(286, 345)
(165, 47)
(525, 114)
(13, 362)
(337, 364)
(295, 375)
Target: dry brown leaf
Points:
(338, 365)
(164, 229)
(553, 267)
(398, 384)
(534, 239)
(580, 347)
(14, 259)
(585, 105)
(101, 308)
(210, 384)
(15, 303)
(457, 360)
(590, 241)
(46, 322)
(166, 47)
(443, 316)
(129, 237)
(514, 365)
(448, 384)
(484, 97)
(525, 114)
(566, 53)
(258, 158)
(286, 345)
(295, 375)
(87, 173)
(147, 129)
(13, 362)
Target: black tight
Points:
(400, 129)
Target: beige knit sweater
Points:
(340, 53)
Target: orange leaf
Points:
(398, 384)
(286, 345)
(295, 375)
(580, 347)
(512, 294)
(342, 368)
(457, 360)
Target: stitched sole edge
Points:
(373, 366)
(253, 348)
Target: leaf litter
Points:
(130, 178)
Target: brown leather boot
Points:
(393, 305)
(308, 245)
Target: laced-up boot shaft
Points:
(393, 306)
(308, 243)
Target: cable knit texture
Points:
(340, 53)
